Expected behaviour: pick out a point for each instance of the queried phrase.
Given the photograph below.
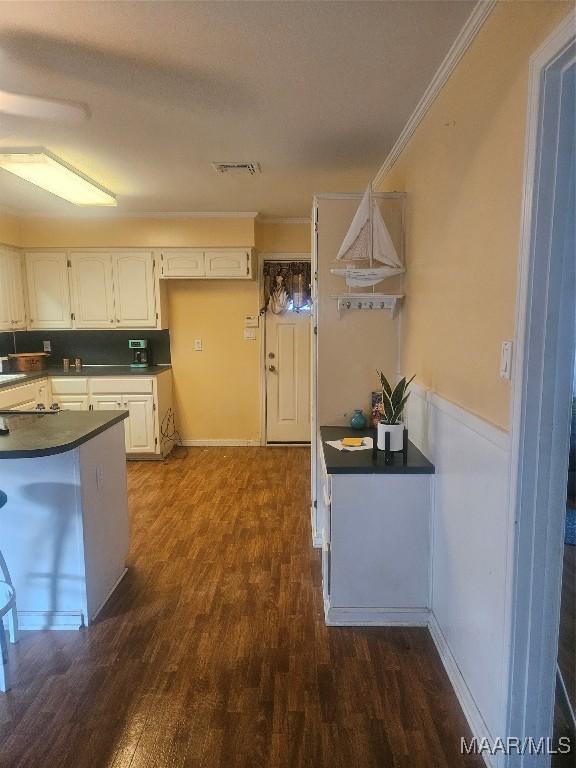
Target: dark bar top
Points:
(364, 462)
(46, 434)
(86, 370)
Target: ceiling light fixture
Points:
(45, 170)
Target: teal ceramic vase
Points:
(358, 420)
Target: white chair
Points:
(7, 607)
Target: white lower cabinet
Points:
(71, 402)
(23, 397)
(140, 433)
(139, 426)
(375, 531)
(148, 400)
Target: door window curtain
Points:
(295, 278)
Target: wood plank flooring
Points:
(213, 651)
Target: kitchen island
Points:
(64, 530)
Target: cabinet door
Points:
(106, 402)
(72, 402)
(92, 293)
(44, 396)
(12, 306)
(183, 262)
(134, 290)
(6, 321)
(140, 423)
(48, 290)
(228, 263)
(22, 398)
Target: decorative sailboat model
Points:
(368, 240)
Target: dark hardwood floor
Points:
(213, 651)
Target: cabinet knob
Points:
(272, 368)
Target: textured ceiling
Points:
(316, 92)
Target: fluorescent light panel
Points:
(47, 171)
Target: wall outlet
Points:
(99, 477)
(47, 346)
(198, 345)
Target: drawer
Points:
(137, 385)
(69, 385)
(18, 396)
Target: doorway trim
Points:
(540, 405)
(262, 257)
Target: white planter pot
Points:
(396, 436)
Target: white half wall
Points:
(471, 530)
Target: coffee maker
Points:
(140, 353)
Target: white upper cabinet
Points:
(92, 289)
(48, 290)
(182, 262)
(135, 295)
(226, 263)
(12, 304)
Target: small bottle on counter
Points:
(78, 363)
(66, 363)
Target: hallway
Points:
(214, 652)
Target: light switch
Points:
(506, 360)
(249, 334)
(198, 345)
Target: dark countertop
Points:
(364, 462)
(46, 434)
(86, 370)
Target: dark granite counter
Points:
(86, 370)
(370, 462)
(46, 434)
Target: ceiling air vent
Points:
(244, 169)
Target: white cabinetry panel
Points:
(92, 289)
(140, 424)
(135, 297)
(71, 402)
(48, 290)
(183, 262)
(228, 263)
(12, 305)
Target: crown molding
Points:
(473, 24)
(100, 214)
(283, 220)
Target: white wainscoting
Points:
(470, 553)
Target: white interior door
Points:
(287, 359)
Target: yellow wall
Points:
(217, 390)
(10, 229)
(283, 238)
(463, 172)
(136, 233)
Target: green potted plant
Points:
(393, 403)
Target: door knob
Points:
(272, 368)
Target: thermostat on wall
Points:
(251, 321)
